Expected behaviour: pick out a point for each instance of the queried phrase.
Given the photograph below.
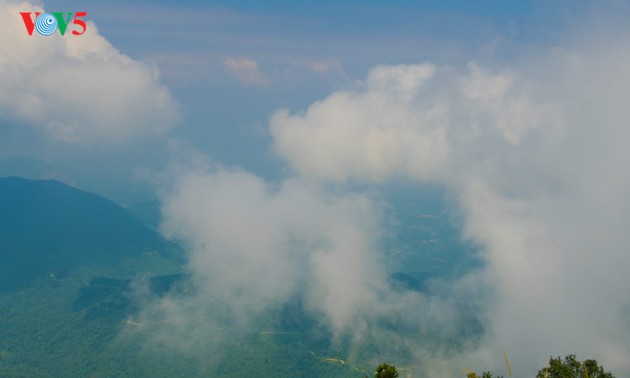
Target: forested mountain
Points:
(47, 227)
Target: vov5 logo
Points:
(48, 23)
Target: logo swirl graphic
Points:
(46, 24)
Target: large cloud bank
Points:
(536, 156)
(253, 247)
(78, 89)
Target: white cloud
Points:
(537, 156)
(77, 88)
(251, 249)
(373, 134)
(246, 70)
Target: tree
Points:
(386, 371)
(570, 367)
(485, 374)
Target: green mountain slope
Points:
(47, 227)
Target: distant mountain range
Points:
(47, 226)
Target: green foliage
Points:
(386, 371)
(79, 326)
(570, 367)
(485, 374)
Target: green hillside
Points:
(82, 327)
(47, 227)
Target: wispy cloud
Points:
(246, 70)
(326, 67)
